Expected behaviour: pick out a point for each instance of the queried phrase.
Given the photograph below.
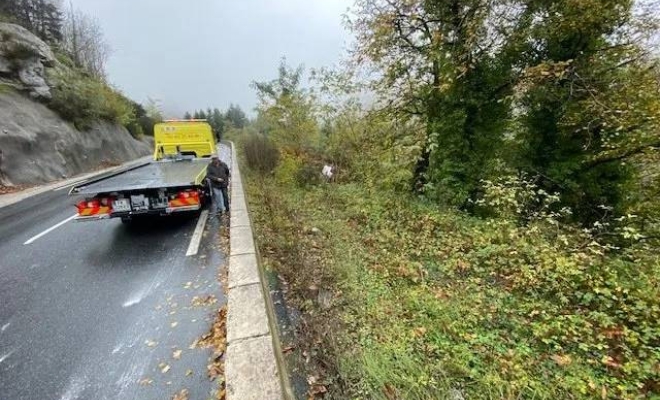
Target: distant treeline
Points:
(220, 121)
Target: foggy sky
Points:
(205, 53)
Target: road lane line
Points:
(197, 235)
(6, 356)
(49, 230)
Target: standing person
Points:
(218, 174)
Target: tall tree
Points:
(41, 17)
(286, 110)
(83, 40)
(589, 100)
(217, 121)
(442, 61)
(236, 116)
(187, 115)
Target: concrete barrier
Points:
(253, 368)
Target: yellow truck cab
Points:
(174, 182)
(183, 138)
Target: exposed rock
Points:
(38, 146)
(23, 56)
(13, 36)
(5, 66)
(31, 74)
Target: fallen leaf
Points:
(151, 343)
(164, 367)
(390, 392)
(176, 355)
(182, 395)
(288, 349)
(611, 362)
(561, 360)
(318, 389)
(189, 372)
(174, 324)
(145, 381)
(419, 332)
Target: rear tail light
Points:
(185, 198)
(81, 206)
(189, 194)
(95, 203)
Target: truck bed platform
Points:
(151, 175)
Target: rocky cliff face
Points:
(23, 60)
(36, 144)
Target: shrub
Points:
(309, 174)
(287, 169)
(82, 100)
(261, 154)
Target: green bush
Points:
(82, 100)
(260, 153)
(287, 169)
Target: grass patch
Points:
(431, 304)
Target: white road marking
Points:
(68, 185)
(3, 358)
(5, 326)
(76, 386)
(193, 248)
(49, 230)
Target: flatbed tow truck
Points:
(173, 182)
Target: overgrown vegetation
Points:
(491, 228)
(83, 99)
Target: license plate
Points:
(121, 205)
(139, 203)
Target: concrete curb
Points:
(252, 370)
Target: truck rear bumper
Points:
(89, 218)
(162, 212)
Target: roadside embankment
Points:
(38, 146)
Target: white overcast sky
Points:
(205, 53)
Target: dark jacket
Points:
(221, 171)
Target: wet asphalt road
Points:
(93, 310)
